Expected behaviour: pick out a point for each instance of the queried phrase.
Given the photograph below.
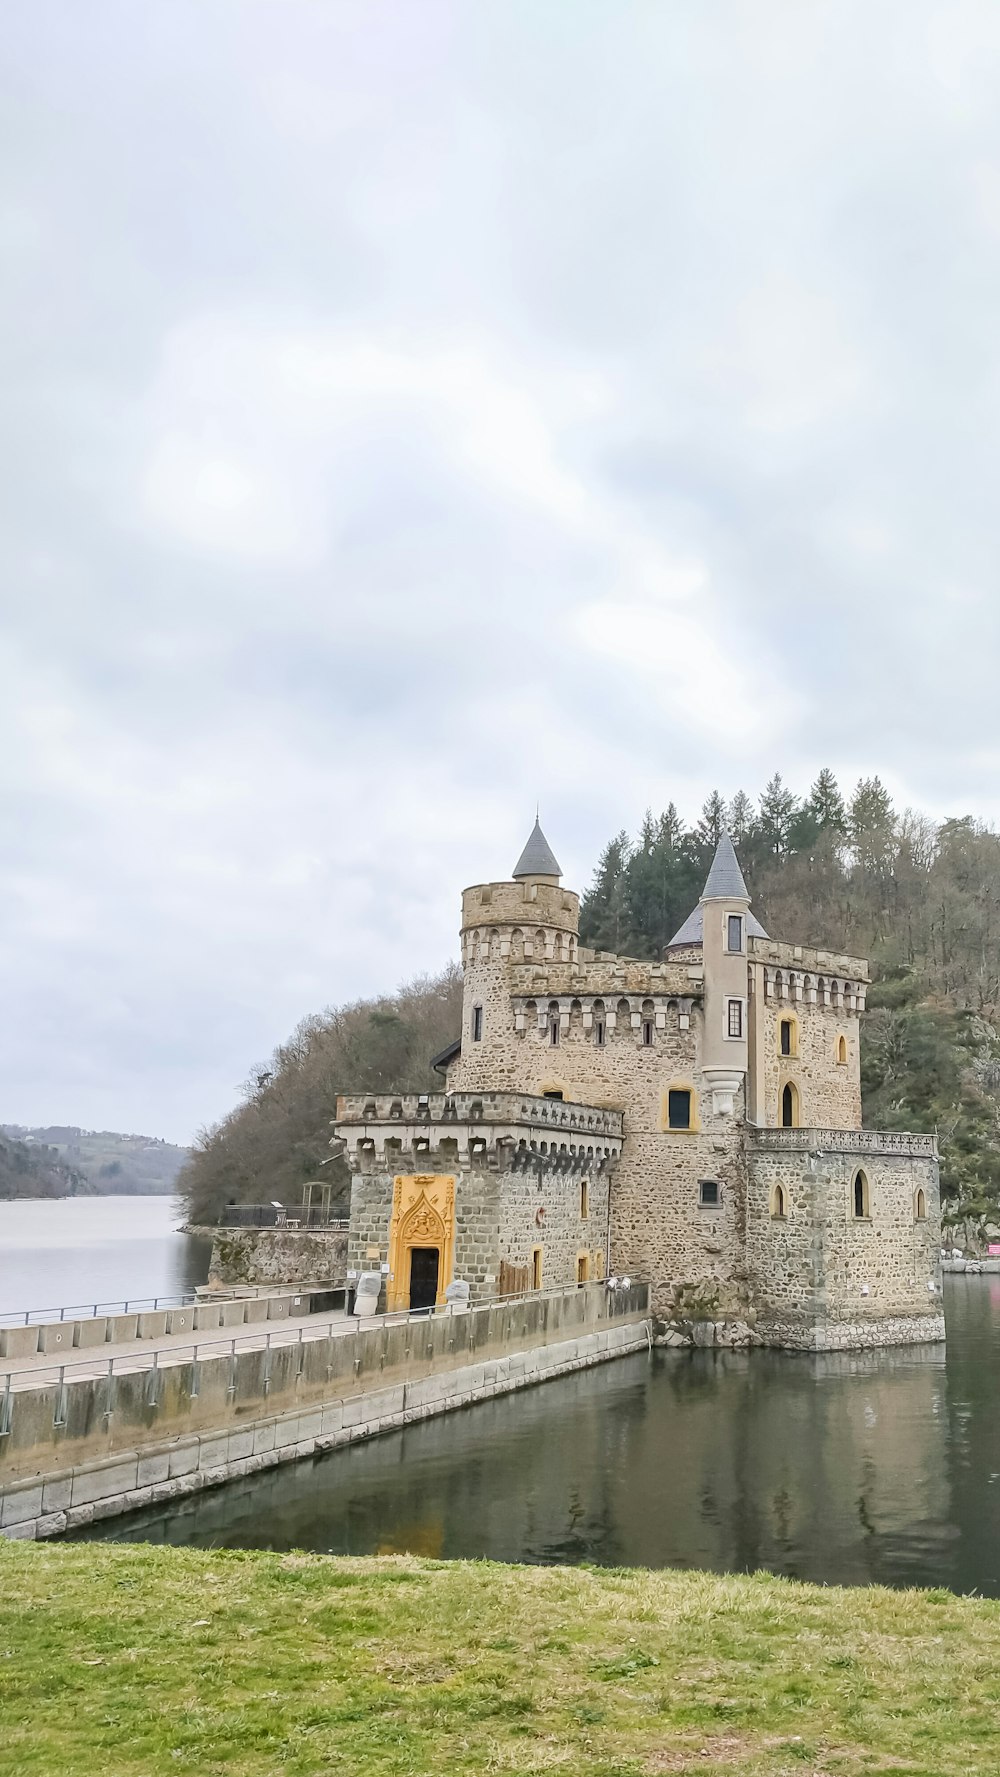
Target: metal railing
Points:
(34, 1376)
(28, 1317)
(273, 1215)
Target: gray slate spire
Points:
(725, 883)
(537, 858)
(725, 879)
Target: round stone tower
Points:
(531, 918)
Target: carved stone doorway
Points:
(423, 1220)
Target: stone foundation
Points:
(858, 1335)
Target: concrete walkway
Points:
(80, 1363)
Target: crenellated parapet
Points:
(610, 977)
(798, 986)
(518, 944)
(524, 905)
(499, 1130)
(618, 1014)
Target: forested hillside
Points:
(33, 1170)
(922, 900)
(62, 1161)
(279, 1136)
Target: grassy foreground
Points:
(139, 1660)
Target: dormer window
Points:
(734, 932)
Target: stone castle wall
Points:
(819, 1266)
(660, 1228)
(542, 1208)
(829, 1091)
(533, 1004)
(497, 1219)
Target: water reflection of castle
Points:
(852, 1468)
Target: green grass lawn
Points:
(143, 1661)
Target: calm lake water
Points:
(95, 1249)
(874, 1467)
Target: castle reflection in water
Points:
(847, 1468)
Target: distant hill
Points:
(62, 1161)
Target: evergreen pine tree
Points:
(741, 819)
(712, 824)
(871, 826)
(604, 911)
(826, 804)
(777, 813)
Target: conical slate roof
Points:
(537, 858)
(725, 883)
(725, 879)
(693, 929)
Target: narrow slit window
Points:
(554, 1032)
(600, 1030)
(679, 1109)
(735, 1025)
(862, 1207)
(477, 1024)
(647, 1033)
(584, 1200)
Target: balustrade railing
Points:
(846, 1141)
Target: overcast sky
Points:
(414, 410)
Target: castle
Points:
(694, 1122)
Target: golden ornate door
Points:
(423, 1215)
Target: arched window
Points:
(778, 1202)
(789, 1106)
(841, 1051)
(862, 1207)
(920, 1206)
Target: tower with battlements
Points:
(694, 1121)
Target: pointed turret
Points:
(725, 883)
(725, 879)
(722, 924)
(537, 858)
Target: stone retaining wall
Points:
(276, 1256)
(43, 1506)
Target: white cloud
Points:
(437, 409)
